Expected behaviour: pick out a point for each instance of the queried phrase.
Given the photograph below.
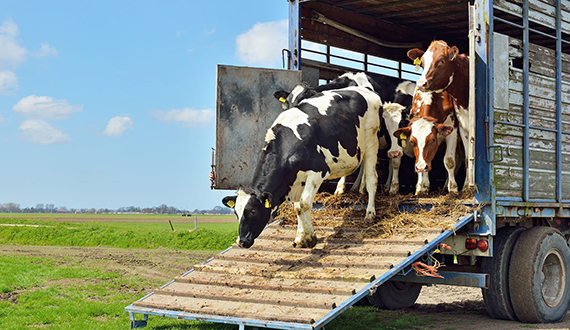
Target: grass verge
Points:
(121, 235)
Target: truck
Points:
(513, 243)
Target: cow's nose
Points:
(422, 85)
(245, 244)
(421, 168)
(394, 154)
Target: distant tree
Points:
(221, 210)
(50, 208)
(40, 208)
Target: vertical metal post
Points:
(558, 101)
(470, 181)
(295, 35)
(483, 107)
(195, 222)
(526, 107)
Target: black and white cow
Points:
(397, 96)
(326, 136)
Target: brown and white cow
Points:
(446, 70)
(434, 122)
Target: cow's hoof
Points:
(394, 190)
(304, 244)
(370, 216)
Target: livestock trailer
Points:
(518, 155)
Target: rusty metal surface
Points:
(245, 109)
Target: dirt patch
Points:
(160, 264)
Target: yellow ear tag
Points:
(282, 100)
(403, 136)
(231, 204)
(267, 204)
(417, 63)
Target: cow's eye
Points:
(433, 140)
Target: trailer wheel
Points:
(496, 297)
(539, 279)
(395, 295)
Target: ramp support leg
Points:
(135, 324)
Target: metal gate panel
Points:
(245, 109)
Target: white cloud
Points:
(8, 80)
(11, 53)
(263, 43)
(46, 50)
(45, 107)
(118, 125)
(40, 131)
(188, 117)
(2, 119)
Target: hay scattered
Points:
(348, 211)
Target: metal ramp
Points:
(273, 285)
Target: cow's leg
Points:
(463, 119)
(306, 237)
(358, 182)
(449, 160)
(395, 169)
(370, 175)
(422, 186)
(340, 186)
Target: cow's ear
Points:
(415, 53)
(444, 130)
(266, 199)
(229, 201)
(453, 51)
(403, 133)
(281, 96)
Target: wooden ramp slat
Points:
(234, 309)
(253, 296)
(276, 284)
(345, 252)
(297, 272)
(309, 260)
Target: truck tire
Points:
(496, 297)
(539, 276)
(395, 295)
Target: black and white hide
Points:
(324, 137)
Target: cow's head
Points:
(253, 209)
(422, 132)
(438, 65)
(392, 116)
(298, 94)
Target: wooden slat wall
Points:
(542, 114)
(540, 11)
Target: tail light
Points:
(472, 244)
(483, 245)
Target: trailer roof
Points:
(400, 21)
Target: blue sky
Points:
(107, 104)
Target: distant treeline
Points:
(162, 209)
